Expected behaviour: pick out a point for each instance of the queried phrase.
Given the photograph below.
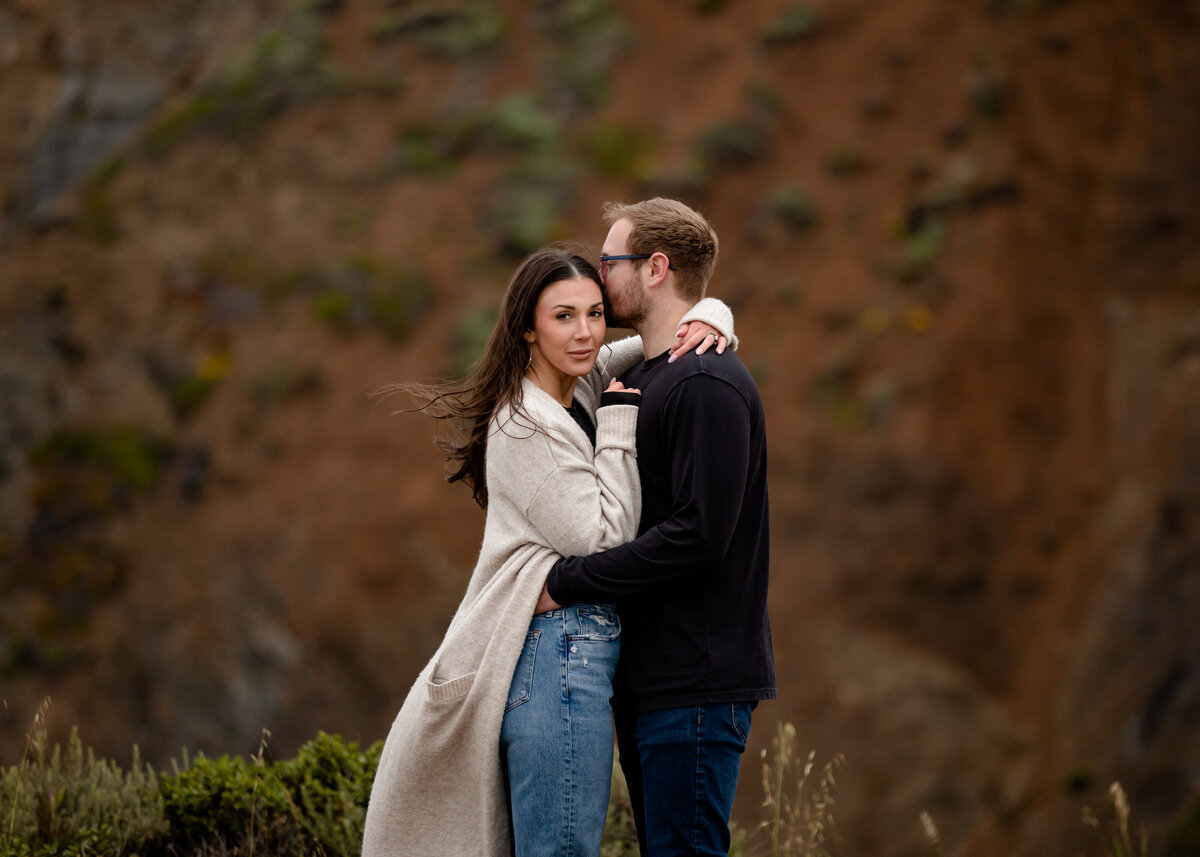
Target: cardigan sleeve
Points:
(547, 485)
(583, 506)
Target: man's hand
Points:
(545, 602)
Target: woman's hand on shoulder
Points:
(698, 335)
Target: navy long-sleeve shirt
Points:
(692, 588)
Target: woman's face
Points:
(568, 328)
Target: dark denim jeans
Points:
(682, 769)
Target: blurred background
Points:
(961, 243)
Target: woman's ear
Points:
(530, 336)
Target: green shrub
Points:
(284, 382)
(796, 23)
(362, 292)
(793, 207)
(447, 33)
(285, 68)
(129, 456)
(471, 336)
(786, 211)
(315, 803)
(585, 40)
(330, 784)
(528, 201)
(731, 144)
(435, 148)
(618, 151)
(63, 801)
(921, 250)
(518, 124)
(846, 161)
(987, 91)
(227, 801)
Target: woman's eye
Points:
(563, 316)
(597, 313)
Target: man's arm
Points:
(707, 423)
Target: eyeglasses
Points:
(605, 261)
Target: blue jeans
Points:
(557, 739)
(682, 768)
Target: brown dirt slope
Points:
(961, 246)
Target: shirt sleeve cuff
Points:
(619, 397)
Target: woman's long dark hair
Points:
(494, 382)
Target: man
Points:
(696, 650)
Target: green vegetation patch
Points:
(618, 151)
(846, 161)
(363, 292)
(921, 250)
(436, 148)
(284, 69)
(731, 144)
(64, 801)
(471, 336)
(528, 203)
(792, 206)
(127, 455)
(585, 40)
(795, 24)
(442, 31)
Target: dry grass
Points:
(797, 804)
(1115, 837)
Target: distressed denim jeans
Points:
(557, 738)
(682, 768)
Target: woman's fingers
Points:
(616, 386)
(696, 335)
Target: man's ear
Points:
(659, 264)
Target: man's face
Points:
(628, 300)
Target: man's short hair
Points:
(681, 233)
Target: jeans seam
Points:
(737, 727)
(569, 776)
(698, 785)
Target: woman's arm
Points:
(583, 507)
(574, 500)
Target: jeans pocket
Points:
(596, 623)
(739, 715)
(522, 682)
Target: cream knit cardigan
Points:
(439, 790)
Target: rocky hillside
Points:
(961, 244)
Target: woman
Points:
(559, 477)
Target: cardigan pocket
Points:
(447, 690)
(522, 683)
